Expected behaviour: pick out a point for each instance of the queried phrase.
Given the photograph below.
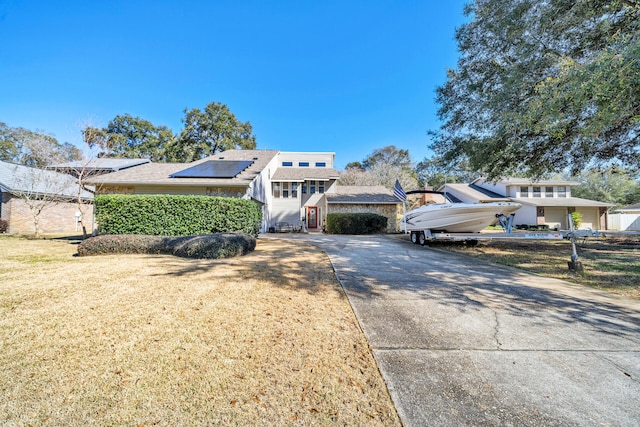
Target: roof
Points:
(101, 164)
(301, 174)
(354, 194)
(560, 202)
(23, 179)
(475, 192)
(528, 181)
(160, 173)
(635, 207)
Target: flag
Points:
(399, 192)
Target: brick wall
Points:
(55, 219)
(390, 211)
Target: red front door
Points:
(312, 217)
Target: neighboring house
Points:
(292, 187)
(543, 202)
(625, 219)
(372, 199)
(57, 217)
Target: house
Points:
(292, 187)
(543, 202)
(56, 192)
(625, 219)
(372, 199)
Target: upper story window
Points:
(536, 192)
(312, 187)
(562, 191)
(321, 187)
(548, 192)
(276, 189)
(294, 190)
(285, 190)
(304, 187)
(303, 164)
(524, 191)
(287, 163)
(321, 164)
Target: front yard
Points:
(264, 339)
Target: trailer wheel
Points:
(414, 237)
(421, 238)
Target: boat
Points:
(441, 214)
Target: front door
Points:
(312, 217)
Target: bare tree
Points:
(379, 174)
(40, 189)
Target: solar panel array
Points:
(214, 169)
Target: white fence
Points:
(624, 222)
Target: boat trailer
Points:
(423, 237)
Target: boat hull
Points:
(456, 217)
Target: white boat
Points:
(445, 216)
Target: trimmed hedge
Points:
(210, 246)
(4, 225)
(170, 215)
(356, 223)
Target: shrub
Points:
(355, 223)
(169, 215)
(210, 246)
(576, 218)
(4, 226)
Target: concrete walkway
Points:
(461, 342)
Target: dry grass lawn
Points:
(611, 264)
(138, 340)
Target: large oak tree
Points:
(543, 86)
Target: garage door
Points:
(556, 218)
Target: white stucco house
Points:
(543, 202)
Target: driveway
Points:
(461, 342)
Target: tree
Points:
(40, 189)
(542, 86)
(382, 167)
(612, 185)
(33, 148)
(131, 137)
(210, 131)
(435, 173)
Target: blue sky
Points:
(342, 76)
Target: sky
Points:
(340, 76)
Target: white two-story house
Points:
(543, 202)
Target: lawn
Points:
(139, 340)
(611, 264)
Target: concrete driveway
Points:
(461, 342)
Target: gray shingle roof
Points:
(159, 173)
(353, 194)
(301, 174)
(22, 179)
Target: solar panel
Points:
(214, 169)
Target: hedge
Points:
(209, 246)
(355, 223)
(169, 215)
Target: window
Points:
(321, 187)
(285, 190)
(524, 191)
(276, 189)
(536, 191)
(287, 163)
(321, 164)
(548, 192)
(312, 187)
(303, 164)
(562, 191)
(294, 190)
(304, 187)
